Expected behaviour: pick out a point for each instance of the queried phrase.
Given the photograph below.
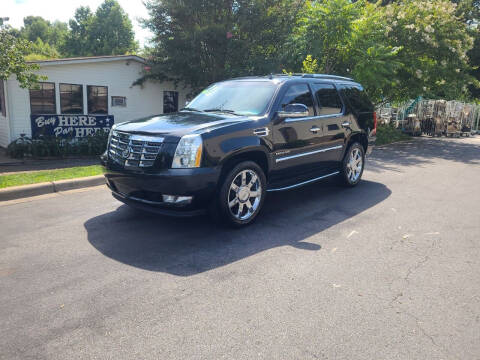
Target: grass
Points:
(34, 177)
(387, 134)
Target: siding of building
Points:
(117, 75)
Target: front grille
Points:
(132, 150)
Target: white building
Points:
(83, 95)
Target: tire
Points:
(352, 169)
(234, 203)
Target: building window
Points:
(71, 99)
(3, 106)
(119, 101)
(170, 101)
(97, 99)
(42, 99)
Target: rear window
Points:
(357, 97)
(328, 99)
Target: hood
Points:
(179, 124)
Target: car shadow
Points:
(190, 246)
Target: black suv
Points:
(239, 139)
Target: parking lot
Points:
(387, 270)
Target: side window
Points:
(328, 99)
(170, 101)
(71, 99)
(42, 99)
(299, 94)
(357, 98)
(97, 97)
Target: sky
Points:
(64, 10)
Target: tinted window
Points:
(357, 98)
(71, 99)
(42, 99)
(328, 99)
(299, 94)
(170, 102)
(97, 99)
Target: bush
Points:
(58, 147)
(387, 134)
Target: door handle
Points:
(346, 124)
(315, 129)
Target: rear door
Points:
(333, 122)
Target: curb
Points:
(18, 192)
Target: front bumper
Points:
(145, 190)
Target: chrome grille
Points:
(132, 150)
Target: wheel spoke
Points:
(244, 178)
(249, 205)
(240, 209)
(234, 187)
(254, 194)
(252, 182)
(233, 202)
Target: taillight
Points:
(374, 131)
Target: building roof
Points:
(89, 59)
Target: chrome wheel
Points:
(244, 194)
(354, 165)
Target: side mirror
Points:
(293, 111)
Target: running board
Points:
(303, 183)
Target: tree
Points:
(111, 30)
(77, 42)
(107, 32)
(198, 42)
(12, 60)
(397, 51)
(47, 38)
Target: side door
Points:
(333, 122)
(296, 140)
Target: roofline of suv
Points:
(295, 76)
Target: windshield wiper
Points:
(190, 109)
(228, 111)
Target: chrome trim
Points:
(262, 131)
(315, 129)
(304, 182)
(318, 117)
(146, 138)
(308, 153)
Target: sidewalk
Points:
(9, 165)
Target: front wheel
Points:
(352, 165)
(241, 194)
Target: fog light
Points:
(178, 200)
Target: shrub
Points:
(58, 147)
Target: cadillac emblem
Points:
(126, 152)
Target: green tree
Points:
(12, 60)
(77, 42)
(198, 42)
(51, 34)
(111, 31)
(107, 32)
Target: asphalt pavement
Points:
(387, 270)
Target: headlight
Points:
(188, 153)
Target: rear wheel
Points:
(241, 194)
(352, 165)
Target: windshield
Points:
(238, 97)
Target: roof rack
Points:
(318, 76)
